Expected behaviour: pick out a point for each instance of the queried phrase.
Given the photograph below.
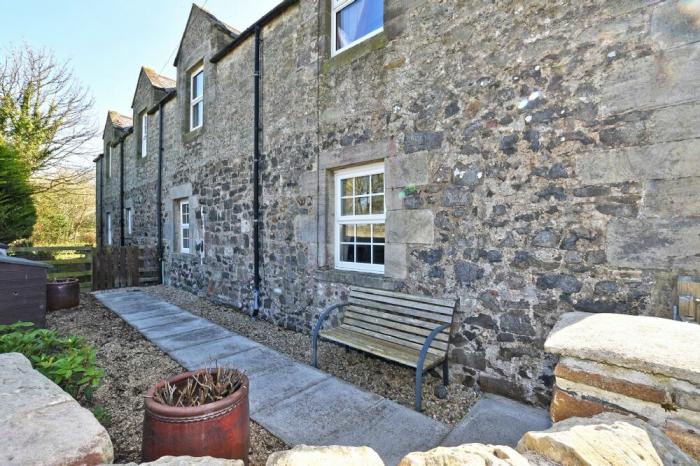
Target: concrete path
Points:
(297, 403)
(300, 404)
(497, 420)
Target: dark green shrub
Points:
(67, 361)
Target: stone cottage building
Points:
(529, 158)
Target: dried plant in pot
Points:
(198, 413)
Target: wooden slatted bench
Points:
(410, 330)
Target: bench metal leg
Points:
(445, 373)
(421, 361)
(419, 388)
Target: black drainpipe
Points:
(256, 176)
(101, 163)
(121, 190)
(159, 215)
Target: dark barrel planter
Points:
(62, 294)
(219, 429)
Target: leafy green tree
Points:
(17, 212)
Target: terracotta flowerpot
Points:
(219, 429)
(62, 294)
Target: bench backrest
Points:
(399, 318)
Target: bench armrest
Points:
(428, 340)
(317, 328)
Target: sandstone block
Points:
(685, 436)
(38, 421)
(304, 455)
(410, 226)
(407, 170)
(470, 454)
(654, 243)
(606, 439)
(646, 344)
(662, 161)
(658, 79)
(189, 461)
(566, 405)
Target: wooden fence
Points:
(118, 267)
(66, 261)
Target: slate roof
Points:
(158, 80)
(120, 121)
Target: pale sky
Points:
(107, 42)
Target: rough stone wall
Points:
(539, 158)
(140, 186)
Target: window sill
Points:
(350, 54)
(369, 280)
(193, 134)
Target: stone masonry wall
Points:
(539, 159)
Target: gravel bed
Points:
(132, 365)
(384, 378)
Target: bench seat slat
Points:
(383, 332)
(416, 330)
(450, 303)
(397, 318)
(382, 348)
(403, 302)
(367, 303)
(398, 341)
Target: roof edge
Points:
(266, 18)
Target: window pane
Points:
(346, 187)
(377, 204)
(197, 114)
(185, 243)
(347, 253)
(357, 20)
(364, 233)
(362, 205)
(347, 206)
(378, 254)
(198, 85)
(364, 254)
(378, 183)
(378, 230)
(362, 185)
(347, 234)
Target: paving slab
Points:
(392, 431)
(272, 386)
(157, 321)
(198, 356)
(148, 314)
(499, 421)
(168, 329)
(311, 416)
(256, 361)
(197, 336)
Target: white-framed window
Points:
(129, 221)
(144, 134)
(197, 98)
(184, 226)
(360, 218)
(109, 161)
(353, 21)
(109, 228)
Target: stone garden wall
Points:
(540, 158)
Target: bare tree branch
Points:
(45, 115)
